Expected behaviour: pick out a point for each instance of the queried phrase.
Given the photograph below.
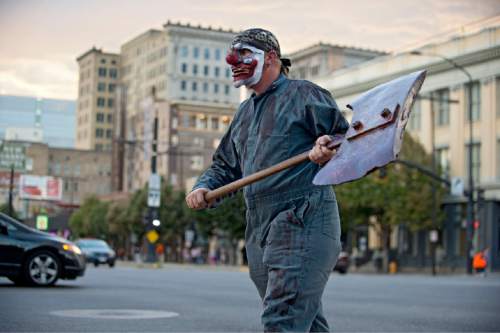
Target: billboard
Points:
(40, 187)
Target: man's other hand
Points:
(196, 199)
(320, 154)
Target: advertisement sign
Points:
(40, 187)
(42, 222)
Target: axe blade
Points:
(375, 136)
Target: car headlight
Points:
(72, 248)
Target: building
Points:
(83, 173)
(45, 120)
(98, 78)
(473, 50)
(174, 73)
(322, 59)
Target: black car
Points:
(97, 251)
(29, 256)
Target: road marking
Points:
(114, 314)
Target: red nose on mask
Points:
(233, 59)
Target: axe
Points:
(373, 139)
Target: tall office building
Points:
(194, 101)
(98, 79)
(51, 121)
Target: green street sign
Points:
(12, 154)
(42, 222)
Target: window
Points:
(476, 160)
(225, 123)
(476, 101)
(102, 71)
(101, 86)
(415, 117)
(98, 147)
(183, 85)
(441, 107)
(109, 133)
(207, 53)
(103, 61)
(443, 161)
(99, 133)
(205, 70)
(228, 73)
(197, 163)
(196, 52)
(113, 62)
(174, 140)
(315, 70)
(198, 142)
(184, 51)
(226, 89)
(111, 87)
(111, 102)
(498, 96)
(195, 69)
(216, 88)
(205, 87)
(101, 101)
(194, 86)
(215, 123)
(184, 67)
(217, 54)
(216, 71)
(113, 73)
(110, 118)
(99, 117)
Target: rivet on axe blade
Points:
(357, 125)
(386, 113)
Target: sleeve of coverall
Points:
(225, 166)
(323, 117)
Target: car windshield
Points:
(92, 244)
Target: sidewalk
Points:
(187, 266)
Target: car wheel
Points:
(111, 264)
(42, 268)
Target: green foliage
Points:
(402, 196)
(4, 208)
(90, 219)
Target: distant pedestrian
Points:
(480, 262)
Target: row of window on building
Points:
(103, 72)
(201, 122)
(205, 87)
(101, 102)
(102, 132)
(195, 52)
(440, 103)
(206, 70)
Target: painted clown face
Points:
(246, 64)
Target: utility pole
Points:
(11, 191)
(470, 192)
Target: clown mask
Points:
(246, 64)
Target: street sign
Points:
(14, 154)
(152, 236)
(457, 186)
(42, 222)
(154, 190)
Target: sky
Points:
(41, 39)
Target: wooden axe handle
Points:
(236, 185)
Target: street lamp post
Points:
(470, 192)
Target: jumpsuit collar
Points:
(278, 82)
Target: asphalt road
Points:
(196, 299)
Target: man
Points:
(293, 228)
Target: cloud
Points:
(41, 39)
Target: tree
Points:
(4, 208)
(401, 196)
(90, 219)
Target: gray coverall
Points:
(293, 227)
